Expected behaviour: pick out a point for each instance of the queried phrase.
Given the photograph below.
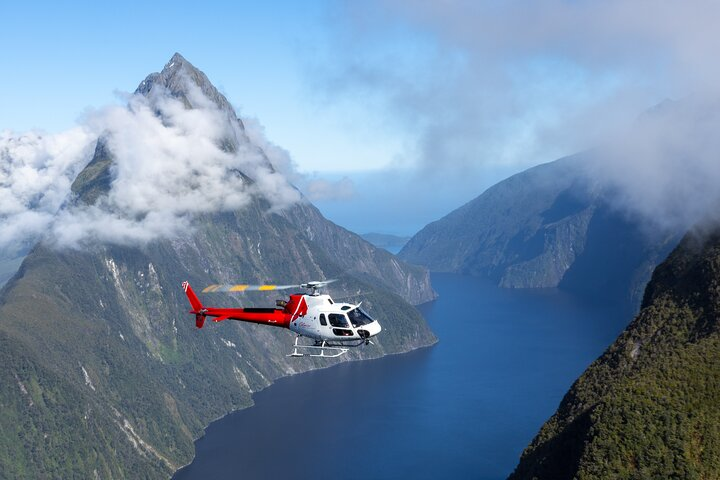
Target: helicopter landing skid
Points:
(334, 351)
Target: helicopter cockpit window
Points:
(322, 319)
(359, 318)
(337, 320)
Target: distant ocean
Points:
(465, 408)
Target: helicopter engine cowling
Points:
(296, 306)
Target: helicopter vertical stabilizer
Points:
(194, 301)
(197, 307)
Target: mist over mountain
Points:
(105, 374)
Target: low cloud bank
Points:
(478, 85)
(666, 168)
(36, 171)
(169, 164)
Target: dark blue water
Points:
(464, 408)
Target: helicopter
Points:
(334, 327)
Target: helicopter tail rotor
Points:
(200, 320)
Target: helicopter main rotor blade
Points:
(317, 284)
(229, 288)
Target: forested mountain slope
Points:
(648, 407)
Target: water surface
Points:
(464, 408)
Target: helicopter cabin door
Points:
(340, 325)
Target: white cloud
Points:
(313, 187)
(666, 168)
(483, 85)
(479, 83)
(169, 163)
(36, 171)
(318, 189)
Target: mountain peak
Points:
(177, 58)
(177, 76)
(175, 80)
(178, 63)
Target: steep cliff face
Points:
(9, 264)
(545, 227)
(647, 408)
(104, 373)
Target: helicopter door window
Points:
(323, 322)
(338, 320)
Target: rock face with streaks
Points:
(104, 373)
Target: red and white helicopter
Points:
(335, 327)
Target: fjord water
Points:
(464, 408)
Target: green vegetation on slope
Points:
(119, 380)
(648, 407)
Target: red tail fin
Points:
(197, 307)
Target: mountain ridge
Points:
(548, 226)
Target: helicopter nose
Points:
(372, 329)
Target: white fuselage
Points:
(334, 322)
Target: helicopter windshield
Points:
(358, 318)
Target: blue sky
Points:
(65, 58)
(421, 105)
